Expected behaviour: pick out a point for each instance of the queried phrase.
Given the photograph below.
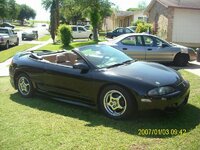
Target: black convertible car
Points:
(99, 76)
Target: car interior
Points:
(64, 58)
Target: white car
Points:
(80, 32)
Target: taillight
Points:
(1, 39)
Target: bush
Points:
(144, 27)
(64, 34)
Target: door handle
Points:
(149, 49)
(125, 49)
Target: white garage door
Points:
(186, 27)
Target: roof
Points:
(188, 4)
(124, 13)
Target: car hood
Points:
(179, 46)
(151, 73)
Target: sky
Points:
(42, 14)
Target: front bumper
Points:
(172, 101)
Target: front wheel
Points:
(181, 60)
(17, 43)
(25, 86)
(116, 103)
(91, 37)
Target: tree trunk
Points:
(95, 36)
(53, 21)
(57, 13)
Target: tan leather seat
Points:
(61, 59)
(71, 57)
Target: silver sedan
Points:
(148, 47)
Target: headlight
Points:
(161, 91)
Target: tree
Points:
(72, 10)
(12, 9)
(98, 10)
(3, 8)
(26, 12)
(142, 5)
(47, 6)
(53, 22)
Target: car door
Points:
(155, 51)
(12, 37)
(133, 47)
(75, 32)
(66, 81)
(82, 32)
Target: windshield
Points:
(103, 56)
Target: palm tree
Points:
(53, 6)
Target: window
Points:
(132, 40)
(148, 41)
(128, 31)
(158, 43)
(74, 29)
(120, 30)
(81, 29)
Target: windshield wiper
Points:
(119, 64)
(128, 61)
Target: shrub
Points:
(144, 27)
(64, 34)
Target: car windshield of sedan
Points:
(102, 56)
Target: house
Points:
(122, 19)
(176, 20)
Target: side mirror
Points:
(81, 66)
(164, 45)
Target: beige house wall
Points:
(162, 19)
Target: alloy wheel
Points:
(115, 103)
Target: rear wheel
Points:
(181, 60)
(7, 45)
(116, 103)
(25, 86)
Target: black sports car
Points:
(99, 76)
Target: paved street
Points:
(38, 27)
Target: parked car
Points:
(87, 27)
(8, 37)
(79, 32)
(6, 24)
(119, 31)
(148, 47)
(132, 28)
(33, 35)
(99, 76)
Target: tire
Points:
(7, 45)
(91, 36)
(181, 60)
(116, 103)
(25, 86)
(17, 43)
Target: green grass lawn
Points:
(56, 47)
(6, 54)
(44, 38)
(42, 123)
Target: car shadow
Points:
(187, 118)
(190, 65)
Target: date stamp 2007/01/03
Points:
(161, 132)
